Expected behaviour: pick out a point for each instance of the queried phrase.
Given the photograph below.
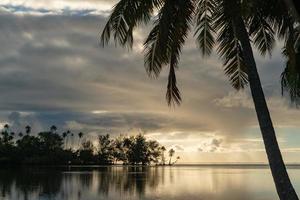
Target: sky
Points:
(53, 71)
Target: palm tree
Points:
(282, 181)
(223, 18)
(67, 138)
(20, 134)
(7, 136)
(163, 149)
(171, 154)
(72, 139)
(80, 135)
(53, 129)
(177, 158)
(64, 135)
(28, 130)
(6, 127)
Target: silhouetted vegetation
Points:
(50, 182)
(52, 148)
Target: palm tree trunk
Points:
(281, 178)
(291, 7)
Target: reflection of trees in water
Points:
(5, 183)
(27, 183)
(128, 180)
(30, 180)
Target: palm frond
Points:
(282, 26)
(261, 30)
(173, 94)
(155, 55)
(126, 15)
(230, 50)
(290, 78)
(164, 43)
(290, 83)
(204, 26)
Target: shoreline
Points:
(212, 165)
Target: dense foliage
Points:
(50, 147)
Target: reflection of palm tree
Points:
(224, 17)
(171, 154)
(51, 182)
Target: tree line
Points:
(52, 148)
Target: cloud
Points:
(211, 146)
(53, 69)
(235, 100)
(216, 142)
(55, 7)
(178, 148)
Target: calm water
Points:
(161, 183)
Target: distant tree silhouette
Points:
(163, 159)
(7, 137)
(6, 127)
(20, 134)
(53, 129)
(64, 136)
(171, 154)
(86, 153)
(105, 151)
(177, 158)
(154, 151)
(27, 129)
(49, 147)
(80, 135)
(29, 148)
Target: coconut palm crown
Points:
(212, 28)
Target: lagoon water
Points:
(145, 183)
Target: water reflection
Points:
(132, 183)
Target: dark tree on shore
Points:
(27, 129)
(53, 129)
(87, 152)
(163, 159)
(48, 148)
(171, 154)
